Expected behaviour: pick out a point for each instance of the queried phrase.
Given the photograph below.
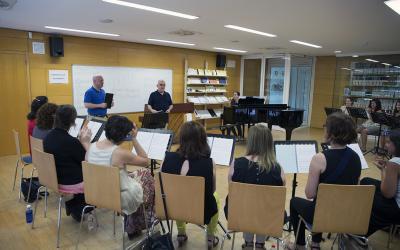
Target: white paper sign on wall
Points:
(57, 76)
(38, 48)
(231, 64)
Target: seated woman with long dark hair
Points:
(325, 168)
(193, 159)
(45, 120)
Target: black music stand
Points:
(357, 113)
(155, 120)
(329, 111)
(382, 119)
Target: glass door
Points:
(274, 80)
(300, 84)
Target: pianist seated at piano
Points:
(348, 103)
(235, 98)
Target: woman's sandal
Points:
(260, 246)
(248, 245)
(213, 242)
(182, 238)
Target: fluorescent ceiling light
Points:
(397, 67)
(81, 31)
(355, 55)
(249, 30)
(394, 5)
(387, 64)
(231, 50)
(338, 51)
(346, 69)
(371, 60)
(305, 44)
(149, 8)
(166, 41)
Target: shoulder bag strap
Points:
(164, 202)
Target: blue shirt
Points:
(95, 96)
(160, 101)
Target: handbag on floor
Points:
(34, 188)
(160, 241)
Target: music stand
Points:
(329, 111)
(382, 119)
(155, 120)
(357, 113)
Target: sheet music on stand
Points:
(295, 156)
(222, 148)
(96, 127)
(74, 130)
(356, 148)
(154, 142)
(155, 120)
(329, 111)
(357, 112)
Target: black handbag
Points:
(160, 241)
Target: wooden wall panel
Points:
(88, 51)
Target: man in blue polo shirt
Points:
(94, 98)
(160, 100)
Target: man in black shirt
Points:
(160, 100)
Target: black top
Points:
(351, 172)
(200, 167)
(246, 171)
(68, 155)
(160, 101)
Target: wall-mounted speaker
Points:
(221, 61)
(56, 46)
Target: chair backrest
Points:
(46, 168)
(17, 144)
(343, 208)
(36, 143)
(257, 209)
(102, 186)
(184, 198)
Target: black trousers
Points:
(385, 212)
(304, 208)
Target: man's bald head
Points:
(98, 81)
(161, 86)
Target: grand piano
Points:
(250, 112)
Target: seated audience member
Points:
(235, 98)
(396, 110)
(369, 127)
(69, 152)
(193, 159)
(347, 103)
(326, 167)
(107, 152)
(38, 102)
(44, 120)
(258, 166)
(395, 124)
(386, 206)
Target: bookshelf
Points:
(207, 89)
(373, 80)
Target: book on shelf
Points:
(200, 72)
(202, 114)
(192, 71)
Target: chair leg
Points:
(15, 174)
(20, 183)
(80, 224)
(60, 200)
(30, 185)
(45, 202)
(223, 240)
(233, 241)
(36, 203)
(390, 235)
(114, 223)
(123, 232)
(298, 229)
(334, 241)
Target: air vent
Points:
(183, 32)
(7, 4)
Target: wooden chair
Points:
(257, 209)
(46, 168)
(102, 190)
(20, 159)
(342, 209)
(182, 205)
(392, 231)
(36, 144)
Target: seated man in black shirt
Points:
(160, 100)
(69, 152)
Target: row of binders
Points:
(208, 89)
(208, 113)
(205, 80)
(206, 72)
(208, 99)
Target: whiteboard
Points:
(131, 86)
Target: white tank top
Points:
(131, 190)
(397, 161)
